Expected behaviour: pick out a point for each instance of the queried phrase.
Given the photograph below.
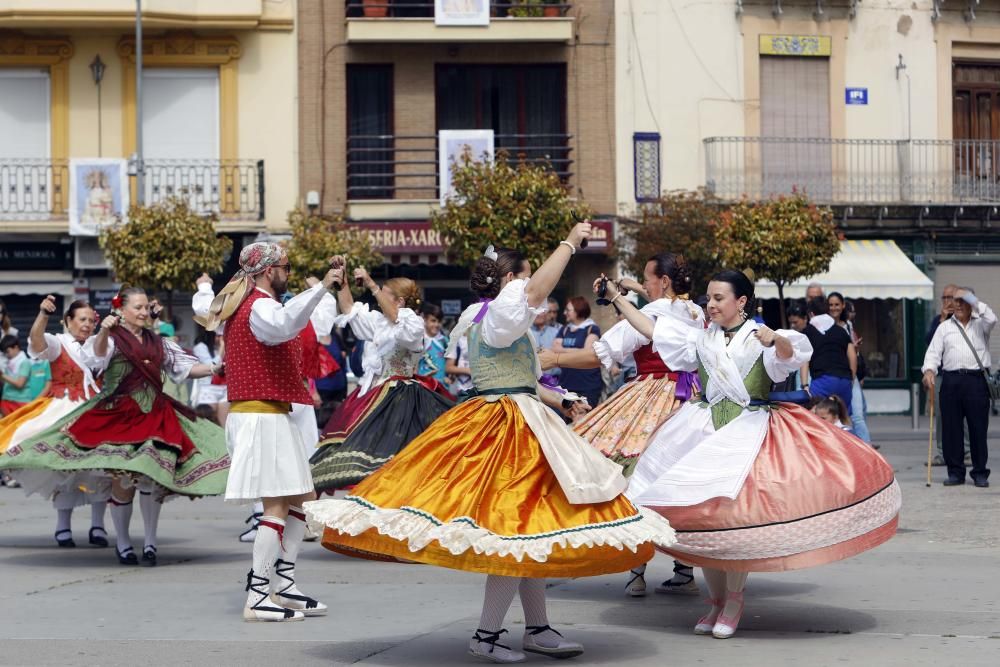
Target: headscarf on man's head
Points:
(254, 260)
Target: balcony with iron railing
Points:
(394, 168)
(37, 191)
(856, 172)
(414, 21)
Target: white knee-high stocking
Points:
(121, 516)
(283, 587)
(532, 593)
(496, 601)
(266, 548)
(150, 516)
(97, 514)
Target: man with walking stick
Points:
(960, 347)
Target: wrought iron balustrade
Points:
(406, 167)
(38, 189)
(425, 9)
(855, 171)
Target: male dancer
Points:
(264, 379)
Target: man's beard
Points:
(279, 285)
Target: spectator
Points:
(6, 328)
(797, 318)
(947, 310)
(960, 346)
(210, 391)
(843, 313)
(814, 291)
(553, 312)
(40, 379)
(457, 367)
(543, 332)
(580, 332)
(832, 365)
(432, 364)
(833, 410)
(16, 376)
(332, 389)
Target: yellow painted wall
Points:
(267, 123)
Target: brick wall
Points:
(323, 55)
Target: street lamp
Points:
(97, 68)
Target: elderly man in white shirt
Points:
(961, 348)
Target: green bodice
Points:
(757, 383)
(501, 367)
(117, 369)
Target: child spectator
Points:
(833, 410)
(435, 343)
(16, 376)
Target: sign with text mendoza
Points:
(98, 194)
(452, 144)
(462, 12)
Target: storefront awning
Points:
(36, 282)
(875, 269)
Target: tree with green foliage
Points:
(781, 240)
(164, 246)
(317, 238)
(508, 204)
(682, 222)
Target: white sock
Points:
(121, 516)
(291, 542)
(150, 516)
(64, 519)
(258, 507)
(496, 601)
(532, 593)
(97, 514)
(716, 581)
(266, 547)
(681, 576)
(735, 583)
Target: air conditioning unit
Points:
(89, 254)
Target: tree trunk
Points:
(781, 302)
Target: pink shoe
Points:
(707, 622)
(725, 627)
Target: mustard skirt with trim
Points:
(474, 492)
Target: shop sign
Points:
(418, 238)
(100, 299)
(451, 306)
(35, 256)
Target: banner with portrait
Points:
(98, 194)
(462, 12)
(452, 144)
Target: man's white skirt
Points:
(268, 457)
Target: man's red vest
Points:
(259, 372)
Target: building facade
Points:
(219, 92)
(378, 83)
(886, 111)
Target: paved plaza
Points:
(928, 597)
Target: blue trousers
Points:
(830, 385)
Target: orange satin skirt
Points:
(477, 481)
(815, 494)
(27, 412)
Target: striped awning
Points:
(872, 269)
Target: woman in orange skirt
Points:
(499, 484)
(751, 485)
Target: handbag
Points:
(992, 383)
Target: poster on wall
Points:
(98, 193)
(452, 144)
(462, 12)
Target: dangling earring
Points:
(743, 315)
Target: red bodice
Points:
(648, 362)
(259, 372)
(67, 378)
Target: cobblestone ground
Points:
(928, 597)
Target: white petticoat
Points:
(268, 458)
